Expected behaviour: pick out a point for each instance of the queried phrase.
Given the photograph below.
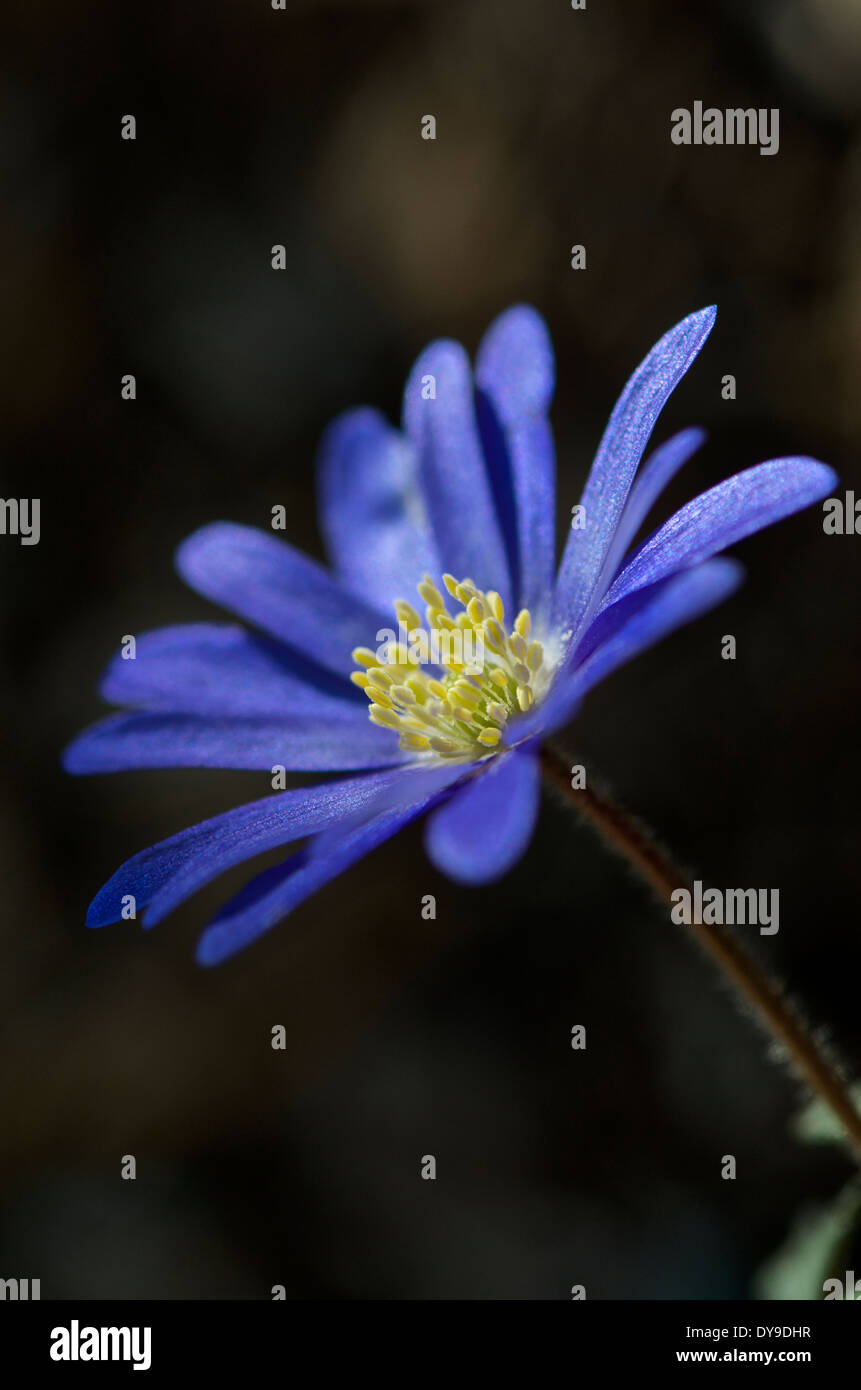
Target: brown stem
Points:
(622, 832)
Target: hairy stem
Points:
(762, 994)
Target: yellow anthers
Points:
(406, 614)
(420, 715)
(431, 594)
(495, 604)
(442, 745)
(378, 675)
(451, 686)
(437, 617)
(415, 742)
(416, 726)
(476, 610)
(385, 716)
(363, 656)
(466, 695)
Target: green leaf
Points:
(817, 1123)
(814, 1250)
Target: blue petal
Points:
(304, 743)
(723, 515)
(656, 474)
(515, 376)
(216, 669)
(483, 830)
(452, 469)
(274, 893)
(371, 509)
(277, 588)
(652, 615)
(616, 462)
(165, 874)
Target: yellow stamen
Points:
(476, 610)
(380, 697)
(385, 716)
(380, 676)
(480, 676)
(431, 594)
(415, 742)
(495, 605)
(494, 634)
(442, 745)
(407, 615)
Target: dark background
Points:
(408, 1037)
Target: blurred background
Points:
(407, 1037)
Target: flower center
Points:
(481, 674)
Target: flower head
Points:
(444, 715)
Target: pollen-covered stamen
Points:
(481, 675)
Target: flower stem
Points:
(761, 993)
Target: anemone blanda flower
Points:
(458, 505)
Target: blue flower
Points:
(458, 504)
